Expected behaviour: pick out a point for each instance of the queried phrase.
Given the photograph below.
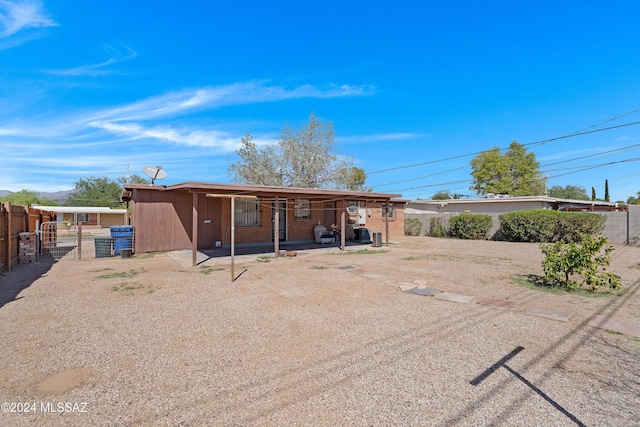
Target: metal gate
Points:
(58, 240)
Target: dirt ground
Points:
(317, 339)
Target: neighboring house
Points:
(92, 217)
(622, 224)
(166, 218)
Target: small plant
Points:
(206, 269)
(572, 265)
(319, 267)
(265, 258)
(412, 227)
(437, 227)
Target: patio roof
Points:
(260, 191)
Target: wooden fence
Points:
(16, 219)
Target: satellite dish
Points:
(154, 172)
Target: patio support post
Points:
(194, 232)
(233, 236)
(276, 228)
(343, 225)
(386, 225)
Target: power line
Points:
(545, 141)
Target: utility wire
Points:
(545, 141)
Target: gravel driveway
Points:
(319, 339)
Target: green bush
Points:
(572, 265)
(470, 226)
(412, 227)
(541, 225)
(438, 227)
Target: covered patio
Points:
(204, 216)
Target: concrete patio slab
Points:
(446, 296)
(548, 313)
(498, 303)
(603, 322)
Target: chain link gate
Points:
(58, 240)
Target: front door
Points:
(282, 229)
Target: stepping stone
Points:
(406, 286)
(359, 271)
(446, 296)
(498, 303)
(424, 291)
(562, 316)
(345, 267)
(421, 283)
(614, 325)
(373, 276)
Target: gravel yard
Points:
(309, 341)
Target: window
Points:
(247, 212)
(390, 208)
(352, 208)
(301, 209)
(82, 217)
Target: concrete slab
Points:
(185, 258)
(548, 313)
(345, 267)
(405, 286)
(373, 276)
(427, 292)
(607, 323)
(498, 303)
(421, 283)
(446, 296)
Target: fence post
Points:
(9, 237)
(79, 241)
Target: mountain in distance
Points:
(56, 196)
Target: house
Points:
(90, 217)
(197, 216)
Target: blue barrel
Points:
(121, 231)
(123, 237)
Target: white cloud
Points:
(377, 137)
(97, 69)
(16, 16)
(189, 137)
(176, 103)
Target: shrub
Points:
(541, 225)
(470, 226)
(412, 227)
(438, 227)
(572, 265)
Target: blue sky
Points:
(88, 88)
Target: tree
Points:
(441, 195)
(353, 179)
(133, 179)
(634, 200)
(575, 192)
(95, 191)
(606, 191)
(302, 158)
(27, 198)
(516, 172)
(593, 193)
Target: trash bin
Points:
(103, 247)
(377, 239)
(123, 235)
